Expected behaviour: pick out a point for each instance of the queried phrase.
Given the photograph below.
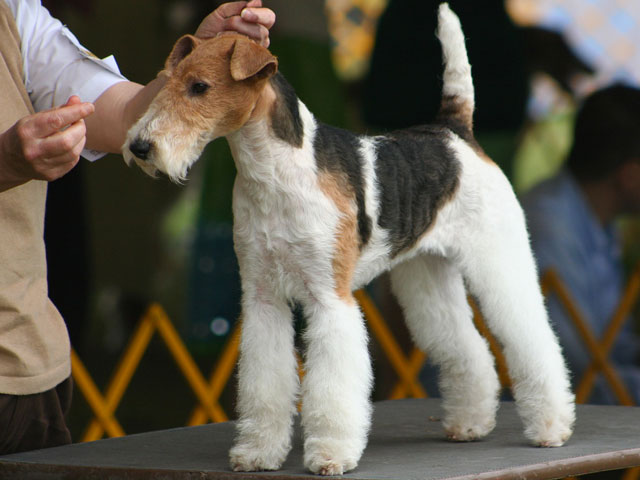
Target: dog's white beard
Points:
(172, 154)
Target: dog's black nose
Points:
(140, 148)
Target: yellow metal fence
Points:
(207, 392)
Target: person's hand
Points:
(45, 145)
(249, 18)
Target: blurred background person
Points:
(572, 223)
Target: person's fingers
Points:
(248, 18)
(229, 9)
(64, 141)
(74, 100)
(56, 167)
(255, 31)
(48, 122)
(263, 16)
(70, 144)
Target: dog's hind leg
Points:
(431, 291)
(496, 260)
(336, 410)
(267, 385)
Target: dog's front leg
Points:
(336, 409)
(268, 384)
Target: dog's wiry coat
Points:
(319, 212)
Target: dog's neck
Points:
(275, 142)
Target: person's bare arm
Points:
(116, 110)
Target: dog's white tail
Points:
(457, 91)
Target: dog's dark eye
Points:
(198, 88)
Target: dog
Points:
(319, 212)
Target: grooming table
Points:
(407, 442)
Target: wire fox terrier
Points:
(319, 212)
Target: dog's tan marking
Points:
(236, 70)
(250, 60)
(455, 108)
(461, 112)
(346, 247)
(265, 103)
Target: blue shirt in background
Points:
(567, 236)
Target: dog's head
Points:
(212, 89)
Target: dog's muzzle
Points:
(140, 148)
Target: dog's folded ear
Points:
(250, 60)
(183, 47)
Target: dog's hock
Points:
(250, 60)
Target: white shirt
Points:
(56, 66)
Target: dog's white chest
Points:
(286, 235)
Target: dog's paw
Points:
(466, 423)
(552, 433)
(331, 457)
(325, 465)
(470, 398)
(553, 439)
(248, 459)
(551, 427)
(468, 432)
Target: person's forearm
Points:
(116, 110)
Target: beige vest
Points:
(34, 344)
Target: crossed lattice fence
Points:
(406, 366)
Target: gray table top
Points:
(406, 442)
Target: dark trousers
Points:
(30, 422)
